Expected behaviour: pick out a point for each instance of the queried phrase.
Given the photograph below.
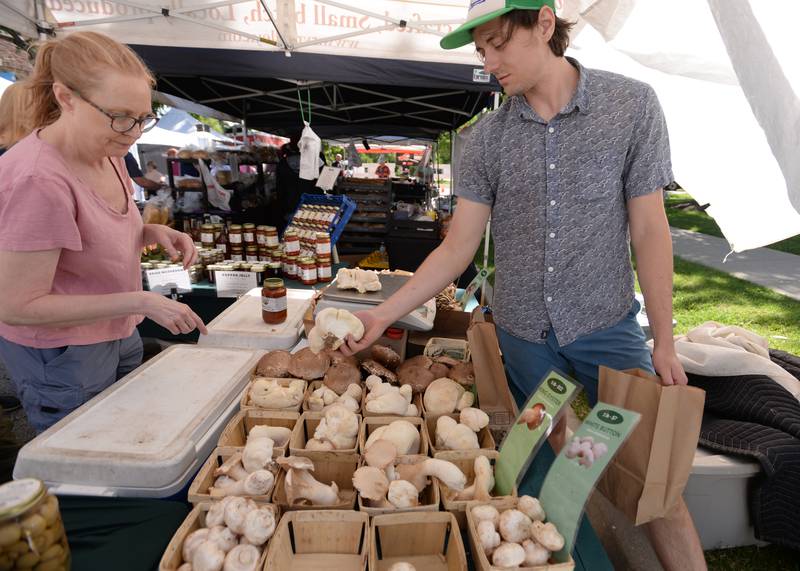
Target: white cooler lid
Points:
(146, 430)
(241, 324)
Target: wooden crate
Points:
(485, 439)
(172, 558)
(304, 431)
(429, 541)
(465, 463)
(198, 491)
(416, 399)
(320, 539)
(235, 433)
(245, 403)
(338, 469)
(374, 422)
(428, 499)
(317, 384)
(479, 558)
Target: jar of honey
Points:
(261, 236)
(249, 233)
(237, 252)
(273, 301)
(271, 236)
(235, 235)
(291, 271)
(207, 235)
(251, 253)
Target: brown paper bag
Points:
(647, 477)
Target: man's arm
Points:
(440, 268)
(652, 246)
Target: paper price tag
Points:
(577, 469)
(328, 178)
(533, 425)
(234, 284)
(164, 280)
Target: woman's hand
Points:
(174, 316)
(172, 241)
(374, 326)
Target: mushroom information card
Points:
(533, 425)
(577, 469)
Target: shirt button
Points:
(552, 234)
(551, 130)
(549, 299)
(552, 166)
(552, 203)
(550, 269)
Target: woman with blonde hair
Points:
(14, 106)
(70, 232)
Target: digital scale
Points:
(421, 319)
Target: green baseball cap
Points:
(482, 11)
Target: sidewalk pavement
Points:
(772, 269)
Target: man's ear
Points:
(546, 23)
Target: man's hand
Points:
(668, 366)
(172, 241)
(374, 326)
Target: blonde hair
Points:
(14, 107)
(80, 61)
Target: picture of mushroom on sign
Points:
(534, 417)
(585, 450)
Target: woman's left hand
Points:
(172, 241)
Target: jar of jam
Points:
(264, 255)
(261, 236)
(274, 269)
(259, 270)
(291, 242)
(207, 235)
(273, 301)
(218, 226)
(271, 237)
(210, 271)
(32, 534)
(294, 269)
(251, 252)
(237, 252)
(235, 235)
(249, 233)
(324, 269)
(323, 244)
(307, 271)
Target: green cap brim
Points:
(463, 34)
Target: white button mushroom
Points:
(259, 525)
(535, 554)
(547, 536)
(450, 435)
(531, 507)
(486, 512)
(208, 557)
(488, 536)
(515, 526)
(508, 555)
(242, 558)
(223, 537)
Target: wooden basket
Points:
(317, 384)
(428, 499)
(374, 422)
(172, 558)
(245, 403)
(485, 439)
(320, 539)
(198, 491)
(304, 431)
(416, 400)
(339, 469)
(465, 463)
(429, 541)
(236, 432)
(479, 557)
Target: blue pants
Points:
(51, 383)
(621, 346)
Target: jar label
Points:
(252, 258)
(236, 238)
(309, 274)
(249, 237)
(207, 238)
(324, 271)
(272, 242)
(323, 248)
(293, 247)
(273, 304)
(222, 248)
(261, 239)
(237, 257)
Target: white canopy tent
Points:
(723, 69)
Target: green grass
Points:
(697, 221)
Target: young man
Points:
(569, 167)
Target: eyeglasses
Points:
(122, 123)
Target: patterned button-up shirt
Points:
(558, 191)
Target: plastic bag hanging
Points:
(310, 146)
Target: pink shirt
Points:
(43, 206)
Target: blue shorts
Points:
(621, 346)
(51, 383)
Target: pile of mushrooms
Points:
(337, 430)
(421, 371)
(388, 399)
(323, 397)
(271, 394)
(516, 537)
(461, 435)
(358, 279)
(444, 396)
(301, 488)
(234, 537)
(481, 487)
(391, 482)
(249, 473)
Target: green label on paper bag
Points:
(532, 426)
(578, 467)
(473, 286)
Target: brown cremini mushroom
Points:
(375, 368)
(417, 376)
(386, 356)
(274, 364)
(463, 374)
(305, 364)
(439, 370)
(418, 361)
(340, 376)
(338, 357)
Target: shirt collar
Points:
(581, 99)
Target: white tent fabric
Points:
(179, 123)
(4, 83)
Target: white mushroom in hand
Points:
(488, 536)
(515, 526)
(243, 558)
(508, 555)
(332, 327)
(547, 536)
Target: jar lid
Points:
(323, 235)
(235, 227)
(249, 225)
(271, 228)
(273, 283)
(262, 228)
(275, 265)
(258, 268)
(394, 333)
(18, 496)
(207, 226)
